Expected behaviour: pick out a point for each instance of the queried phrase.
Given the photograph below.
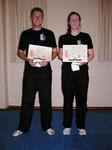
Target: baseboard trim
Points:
(37, 108)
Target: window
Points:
(105, 30)
(17, 20)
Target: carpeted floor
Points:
(98, 124)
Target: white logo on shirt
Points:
(79, 42)
(42, 37)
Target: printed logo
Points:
(79, 42)
(42, 37)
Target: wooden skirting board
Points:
(37, 108)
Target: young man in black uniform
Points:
(37, 75)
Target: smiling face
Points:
(74, 22)
(37, 19)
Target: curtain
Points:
(17, 20)
(3, 59)
(105, 30)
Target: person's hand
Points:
(81, 63)
(43, 63)
(31, 62)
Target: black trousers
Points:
(74, 84)
(36, 79)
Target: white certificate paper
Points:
(75, 53)
(39, 53)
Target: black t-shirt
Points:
(81, 38)
(43, 37)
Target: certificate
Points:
(39, 53)
(75, 53)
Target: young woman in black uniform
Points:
(75, 77)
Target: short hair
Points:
(36, 9)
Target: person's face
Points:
(74, 22)
(37, 19)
